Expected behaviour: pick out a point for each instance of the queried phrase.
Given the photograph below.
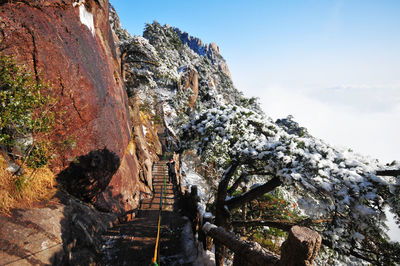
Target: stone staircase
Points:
(160, 181)
(133, 242)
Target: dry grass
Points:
(24, 191)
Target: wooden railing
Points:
(300, 248)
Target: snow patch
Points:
(188, 242)
(45, 244)
(85, 16)
(204, 257)
(207, 215)
(13, 168)
(207, 227)
(192, 178)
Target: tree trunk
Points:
(236, 184)
(244, 214)
(242, 176)
(221, 213)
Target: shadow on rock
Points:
(81, 232)
(89, 174)
(82, 225)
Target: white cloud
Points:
(361, 98)
(363, 118)
(348, 119)
(394, 230)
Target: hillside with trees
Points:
(276, 170)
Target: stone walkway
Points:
(133, 243)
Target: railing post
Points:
(238, 260)
(193, 201)
(301, 247)
(203, 238)
(209, 241)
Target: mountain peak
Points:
(210, 50)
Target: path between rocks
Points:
(133, 242)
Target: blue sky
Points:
(333, 65)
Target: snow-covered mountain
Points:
(189, 84)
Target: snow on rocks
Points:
(191, 178)
(207, 227)
(85, 16)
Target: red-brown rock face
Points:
(71, 46)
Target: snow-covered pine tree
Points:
(325, 182)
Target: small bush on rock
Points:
(25, 113)
(26, 117)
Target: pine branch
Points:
(350, 252)
(254, 193)
(236, 183)
(388, 172)
(242, 177)
(284, 225)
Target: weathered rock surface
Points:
(66, 232)
(144, 152)
(190, 79)
(71, 45)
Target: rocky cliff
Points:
(71, 45)
(211, 50)
(107, 165)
